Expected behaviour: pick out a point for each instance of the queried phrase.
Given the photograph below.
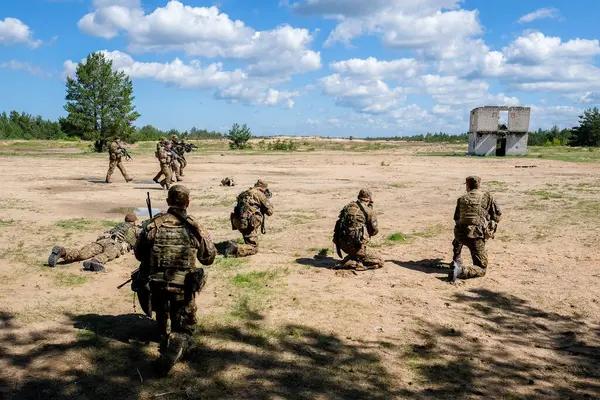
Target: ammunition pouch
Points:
(195, 281)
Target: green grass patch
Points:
(82, 224)
(430, 231)
(68, 279)
(399, 185)
(545, 194)
(229, 263)
(256, 280)
(6, 222)
(398, 237)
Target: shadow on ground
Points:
(108, 359)
(512, 350)
(508, 349)
(428, 266)
(318, 261)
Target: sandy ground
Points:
(529, 329)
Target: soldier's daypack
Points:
(351, 224)
(244, 210)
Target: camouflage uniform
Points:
(180, 150)
(164, 156)
(115, 161)
(112, 244)
(476, 216)
(356, 224)
(253, 206)
(167, 249)
(159, 145)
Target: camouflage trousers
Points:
(251, 236)
(104, 251)
(165, 169)
(111, 168)
(174, 313)
(183, 164)
(360, 258)
(478, 255)
(176, 168)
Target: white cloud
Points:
(358, 8)
(367, 96)
(547, 116)
(13, 31)
(24, 66)
(542, 13)
(371, 68)
(205, 32)
(234, 86)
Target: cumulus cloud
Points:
(205, 32)
(541, 13)
(13, 31)
(24, 66)
(358, 8)
(373, 69)
(234, 86)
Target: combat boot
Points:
(93, 265)
(231, 249)
(57, 252)
(456, 271)
(128, 179)
(177, 345)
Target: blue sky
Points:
(304, 67)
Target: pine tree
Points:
(588, 131)
(100, 102)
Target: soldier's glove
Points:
(268, 193)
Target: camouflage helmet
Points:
(174, 137)
(168, 143)
(473, 181)
(261, 184)
(178, 196)
(365, 195)
(131, 217)
(163, 139)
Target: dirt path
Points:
(282, 324)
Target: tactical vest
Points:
(470, 209)
(174, 249)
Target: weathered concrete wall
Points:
(518, 119)
(486, 120)
(516, 144)
(482, 145)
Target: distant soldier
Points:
(175, 141)
(356, 224)
(112, 244)
(115, 150)
(476, 216)
(168, 247)
(248, 216)
(181, 150)
(164, 157)
(159, 145)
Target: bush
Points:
(282, 145)
(239, 137)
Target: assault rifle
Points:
(124, 152)
(190, 147)
(174, 155)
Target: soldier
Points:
(116, 153)
(175, 140)
(167, 248)
(112, 244)
(253, 205)
(159, 145)
(476, 216)
(356, 224)
(164, 156)
(181, 149)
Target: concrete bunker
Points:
(494, 134)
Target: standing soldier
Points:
(476, 216)
(168, 247)
(181, 149)
(164, 157)
(110, 245)
(248, 216)
(115, 150)
(160, 144)
(356, 224)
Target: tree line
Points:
(99, 103)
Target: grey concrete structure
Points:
(488, 137)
